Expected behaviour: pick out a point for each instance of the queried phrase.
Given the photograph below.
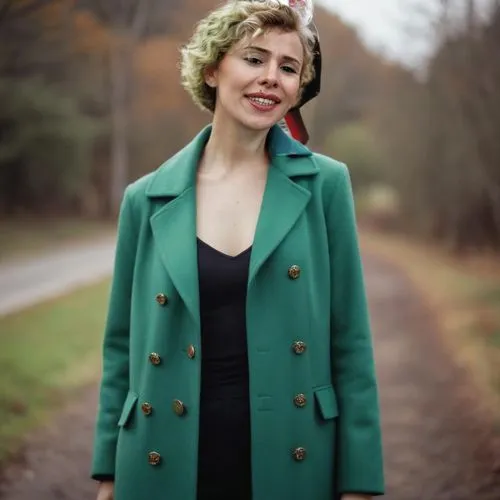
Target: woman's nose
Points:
(269, 76)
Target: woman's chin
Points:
(259, 123)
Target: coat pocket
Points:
(128, 407)
(327, 402)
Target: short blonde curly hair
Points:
(222, 28)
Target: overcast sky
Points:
(401, 29)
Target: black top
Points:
(224, 441)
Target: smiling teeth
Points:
(263, 102)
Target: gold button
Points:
(178, 407)
(162, 299)
(154, 358)
(191, 351)
(147, 409)
(299, 347)
(300, 400)
(293, 272)
(299, 454)
(154, 458)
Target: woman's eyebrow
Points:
(268, 52)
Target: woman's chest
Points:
(227, 212)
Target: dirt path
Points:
(436, 448)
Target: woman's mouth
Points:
(262, 103)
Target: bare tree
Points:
(127, 19)
(121, 78)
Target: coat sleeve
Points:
(115, 370)
(359, 448)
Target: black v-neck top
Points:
(224, 470)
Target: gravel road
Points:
(26, 281)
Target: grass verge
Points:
(45, 352)
(464, 293)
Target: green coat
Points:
(308, 334)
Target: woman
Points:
(237, 354)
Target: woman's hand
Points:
(105, 491)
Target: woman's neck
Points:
(232, 148)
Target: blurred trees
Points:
(354, 144)
(350, 77)
(90, 100)
(44, 134)
(440, 137)
(126, 21)
(86, 86)
(109, 107)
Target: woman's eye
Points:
(289, 69)
(253, 60)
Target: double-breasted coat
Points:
(315, 429)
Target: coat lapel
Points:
(284, 200)
(174, 224)
(283, 203)
(174, 232)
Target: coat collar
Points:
(174, 223)
(179, 172)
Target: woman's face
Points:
(258, 80)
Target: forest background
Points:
(91, 100)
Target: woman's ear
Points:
(210, 74)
